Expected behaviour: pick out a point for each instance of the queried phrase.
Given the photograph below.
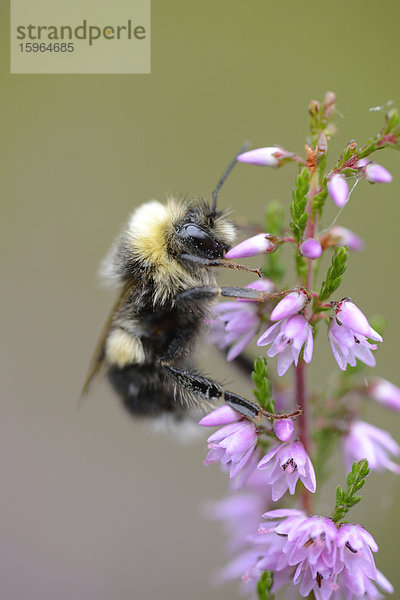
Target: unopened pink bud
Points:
(386, 393)
(258, 244)
(311, 248)
(264, 157)
(322, 143)
(220, 416)
(284, 429)
(338, 190)
(349, 315)
(375, 173)
(345, 237)
(263, 285)
(290, 305)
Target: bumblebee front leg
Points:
(198, 385)
(206, 292)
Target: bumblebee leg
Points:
(207, 389)
(217, 262)
(207, 293)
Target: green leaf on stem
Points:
(347, 498)
(262, 389)
(299, 204)
(264, 585)
(335, 273)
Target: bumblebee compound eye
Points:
(201, 242)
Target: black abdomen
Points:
(145, 391)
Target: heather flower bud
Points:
(313, 108)
(373, 172)
(322, 143)
(271, 156)
(329, 104)
(376, 445)
(223, 415)
(290, 305)
(284, 429)
(338, 190)
(349, 315)
(385, 393)
(345, 237)
(311, 248)
(261, 243)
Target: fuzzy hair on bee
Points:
(163, 265)
(156, 235)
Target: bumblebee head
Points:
(203, 232)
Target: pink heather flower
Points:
(249, 477)
(349, 315)
(232, 446)
(376, 445)
(284, 429)
(237, 322)
(272, 156)
(311, 248)
(290, 305)
(384, 392)
(360, 543)
(329, 561)
(348, 334)
(235, 326)
(288, 337)
(338, 189)
(257, 244)
(373, 172)
(264, 554)
(284, 465)
(345, 237)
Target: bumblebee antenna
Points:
(225, 174)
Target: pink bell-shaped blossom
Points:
(344, 237)
(287, 337)
(385, 393)
(285, 465)
(376, 445)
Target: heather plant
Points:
(279, 546)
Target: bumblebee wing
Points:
(99, 353)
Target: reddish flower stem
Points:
(303, 423)
(300, 370)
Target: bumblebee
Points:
(163, 264)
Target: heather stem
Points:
(311, 223)
(303, 422)
(300, 370)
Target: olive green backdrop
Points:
(92, 506)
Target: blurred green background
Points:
(92, 505)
